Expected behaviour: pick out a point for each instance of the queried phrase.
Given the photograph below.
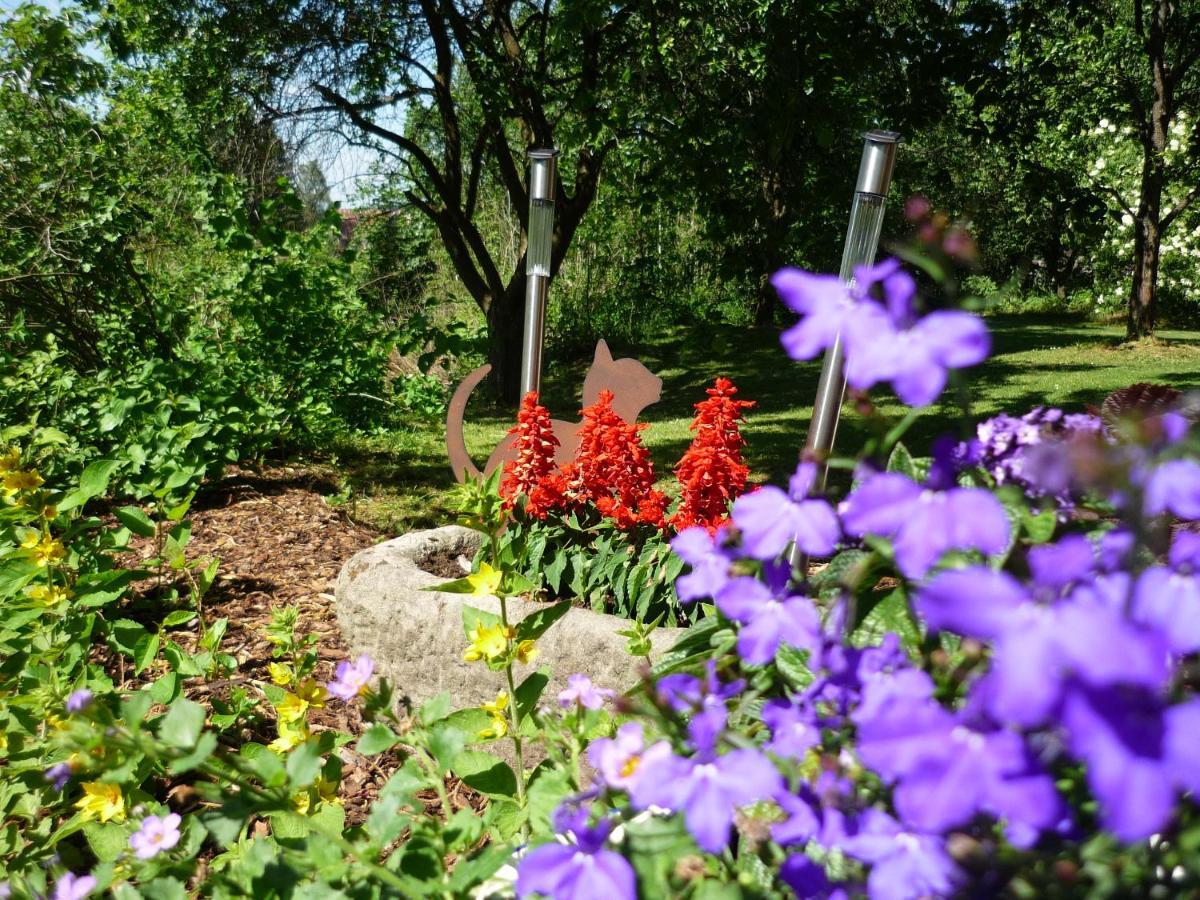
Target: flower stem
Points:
(515, 714)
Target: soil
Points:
(445, 564)
(279, 543)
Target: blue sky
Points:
(345, 167)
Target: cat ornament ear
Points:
(603, 354)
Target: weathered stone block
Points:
(416, 636)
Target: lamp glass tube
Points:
(541, 230)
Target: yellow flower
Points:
(22, 481)
(10, 461)
(301, 803)
(312, 693)
(486, 581)
(280, 674)
(327, 790)
(526, 651)
(499, 706)
(49, 594)
(30, 538)
(102, 801)
(48, 550)
(3, 743)
(289, 736)
(487, 642)
(498, 729)
(292, 709)
(49, 513)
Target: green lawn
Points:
(401, 480)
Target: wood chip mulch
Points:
(280, 543)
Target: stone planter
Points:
(416, 636)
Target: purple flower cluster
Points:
(883, 341)
(1014, 450)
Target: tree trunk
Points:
(506, 322)
(1143, 292)
(1146, 247)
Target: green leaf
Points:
(792, 664)
(535, 625)
(377, 739)
(92, 483)
(125, 634)
(204, 748)
(182, 724)
(304, 763)
(445, 743)
(435, 709)
(530, 690)
(178, 617)
(108, 841)
(165, 689)
(902, 461)
(486, 773)
(15, 573)
(145, 653)
(135, 520)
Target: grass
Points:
(401, 480)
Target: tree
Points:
(1130, 65)
(538, 74)
(770, 100)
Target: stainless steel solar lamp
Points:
(543, 168)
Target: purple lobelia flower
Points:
(889, 342)
(825, 304)
(158, 833)
(709, 560)
(1174, 487)
(73, 887)
(807, 879)
(1138, 755)
(1038, 649)
(581, 690)
(904, 864)
(584, 870)
(924, 524)
(707, 789)
(351, 678)
(704, 699)
(1169, 598)
(58, 775)
(793, 726)
(621, 759)
(79, 700)
(769, 519)
(769, 615)
(946, 770)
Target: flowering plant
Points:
(988, 687)
(597, 528)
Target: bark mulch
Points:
(280, 543)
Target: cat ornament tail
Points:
(456, 443)
(634, 387)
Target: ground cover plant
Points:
(986, 686)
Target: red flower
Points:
(613, 467)
(535, 443)
(711, 473)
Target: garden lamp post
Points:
(862, 240)
(543, 166)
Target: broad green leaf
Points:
(182, 724)
(376, 739)
(304, 763)
(135, 520)
(205, 746)
(486, 773)
(530, 690)
(535, 625)
(92, 483)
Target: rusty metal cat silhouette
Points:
(634, 387)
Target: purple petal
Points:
(803, 292)
(1175, 487)
(975, 602)
(1170, 602)
(881, 505)
(957, 339)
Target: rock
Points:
(416, 636)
